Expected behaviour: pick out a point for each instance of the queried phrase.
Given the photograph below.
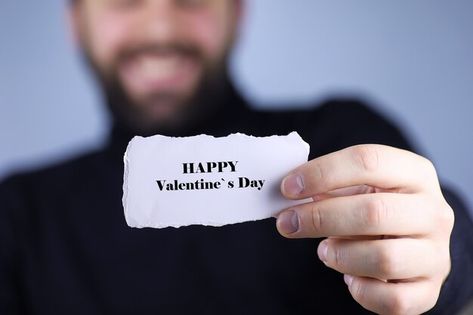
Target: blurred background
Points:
(412, 60)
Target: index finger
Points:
(370, 164)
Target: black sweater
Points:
(65, 247)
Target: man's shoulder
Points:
(332, 115)
(327, 106)
(335, 123)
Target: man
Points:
(384, 220)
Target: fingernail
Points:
(288, 222)
(293, 185)
(348, 279)
(322, 251)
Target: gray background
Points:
(412, 59)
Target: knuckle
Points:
(386, 263)
(358, 291)
(316, 177)
(447, 217)
(340, 257)
(319, 172)
(398, 304)
(430, 171)
(429, 165)
(367, 157)
(433, 295)
(317, 218)
(375, 212)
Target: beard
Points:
(183, 112)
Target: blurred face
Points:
(159, 61)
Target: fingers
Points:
(347, 191)
(373, 165)
(371, 214)
(393, 298)
(362, 194)
(388, 259)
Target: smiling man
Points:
(162, 63)
(384, 221)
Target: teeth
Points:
(158, 67)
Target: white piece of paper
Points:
(179, 181)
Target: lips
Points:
(154, 73)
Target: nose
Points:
(160, 21)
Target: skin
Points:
(385, 224)
(161, 63)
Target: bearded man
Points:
(377, 235)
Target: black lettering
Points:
(232, 165)
(188, 168)
(243, 182)
(160, 184)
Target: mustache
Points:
(183, 49)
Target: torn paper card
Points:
(206, 180)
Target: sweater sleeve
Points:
(10, 203)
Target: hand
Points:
(387, 225)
